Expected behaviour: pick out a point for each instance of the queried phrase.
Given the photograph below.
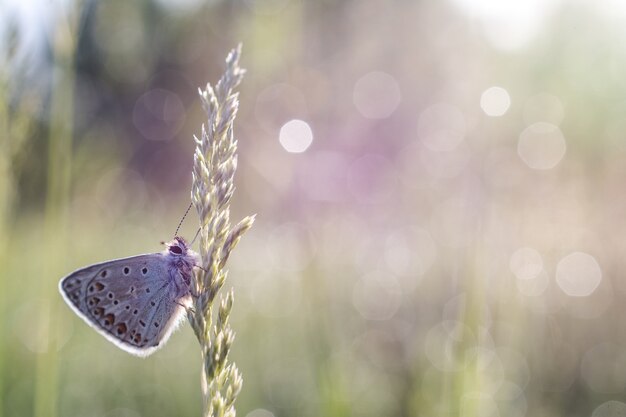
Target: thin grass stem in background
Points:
(56, 216)
(215, 163)
(6, 200)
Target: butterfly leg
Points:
(200, 267)
(188, 309)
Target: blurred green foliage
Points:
(412, 261)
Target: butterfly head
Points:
(177, 247)
(180, 253)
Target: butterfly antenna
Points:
(183, 219)
(195, 237)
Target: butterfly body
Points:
(134, 302)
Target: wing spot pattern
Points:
(109, 301)
(93, 301)
(109, 319)
(121, 329)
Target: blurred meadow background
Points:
(440, 228)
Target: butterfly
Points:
(135, 302)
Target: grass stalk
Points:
(215, 163)
(6, 199)
(16, 125)
(55, 217)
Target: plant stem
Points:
(215, 163)
(56, 221)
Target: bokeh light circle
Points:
(34, 332)
(453, 221)
(543, 107)
(159, 114)
(534, 286)
(512, 398)
(495, 101)
(443, 165)
(578, 274)
(476, 403)
(267, 7)
(398, 255)
(541, 146)
(296, 136)
(377, 296)
(610, 409)
(122, 412)
(488, 365)
(260, 412)
(372, 179)
(508, 25)
(291, 247)
(603, 368)
(180, 6)
(376, 95)
(409, 254)
(441, 127)
(442, 344)
(526, 263)
(268, 287)
(515, 365)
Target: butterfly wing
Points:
(130, 301)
